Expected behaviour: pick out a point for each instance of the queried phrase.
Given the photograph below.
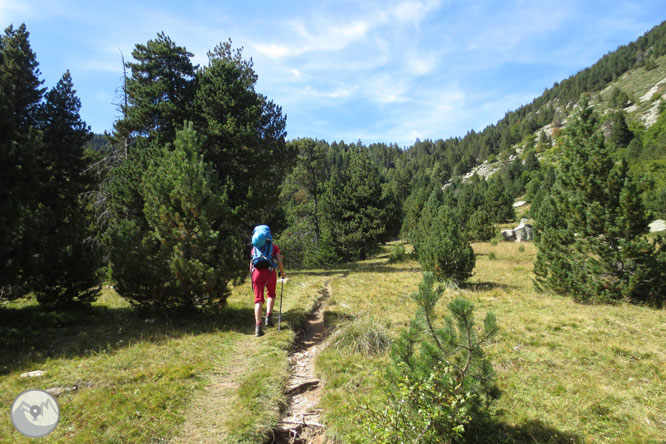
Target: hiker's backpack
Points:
(262, 248)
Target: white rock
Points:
(33, 374)
(523, 232)
(520, 203)
(657, 225)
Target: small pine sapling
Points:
(440, 380)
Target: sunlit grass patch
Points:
(365, 335)
(568, 372)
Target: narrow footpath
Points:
(301, 423)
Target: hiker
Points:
(264, 259)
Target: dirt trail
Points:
(301, 423)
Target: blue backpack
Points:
(262, 248)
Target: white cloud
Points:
(326, 37)
(275, 51)
(414, 11)
(337, 93)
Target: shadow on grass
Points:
(333, 318)
(335, 272)
(530, 432)
(32, 334)
(483, 286)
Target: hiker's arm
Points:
(280, 264)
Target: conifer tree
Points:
(159, 91)
(440, 381)
(187, 256)
(470, 196)
(242, 139)
(245, 135)
(19, 79)
(531, 161)
(499, 201)
(301, 193)
(67, 263)
(591, 241)
(441, 244)
(480, 226)
(412, 208)
(20, 95)
(354, 210)
(620, 134)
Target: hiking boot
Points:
(258, 331)
(269, 320)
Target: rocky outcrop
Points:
(522, 233)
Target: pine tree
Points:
(20, 95)
(480, 226)
(245, 135)
(186, 255)
(620, 135)
(591, 241)
(19, 79)
(439, 382)
(159, 91)
(353, 207)
(470, 196)
(66, 269)
(441, 244)
(412, 208)
(499, 201)
(531, 161)
(301, 194)
(242, 138)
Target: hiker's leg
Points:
(257, 312)
(270, 289)
(258, 286)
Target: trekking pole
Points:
(280, 315)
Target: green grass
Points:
(140, 377)
(568, 372)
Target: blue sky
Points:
(378, 71)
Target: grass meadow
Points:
(569, 373)
(199, 377)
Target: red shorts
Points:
(263, 278)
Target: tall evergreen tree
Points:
(67, 263)
(159, 91)
(354, 210)
(499, 201)
(620, 134)
(591, 241)
(245, 135)
(20, 95)
(301, 194)
(19, 79)
(242, 139)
